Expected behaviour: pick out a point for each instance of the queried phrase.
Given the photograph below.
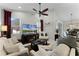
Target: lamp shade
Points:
(4, 27)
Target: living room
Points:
(39, 29)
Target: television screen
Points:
(29, 27)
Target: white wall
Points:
(50, 24)
(50, 28)
(59, 16)
(63, 14)
(49, 21)
(1, 18)
(25, 18)
(29, 18)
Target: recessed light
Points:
(19, 7)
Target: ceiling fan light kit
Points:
(41, 12)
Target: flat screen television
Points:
(29, 27)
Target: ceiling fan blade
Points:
(45, 14)
(34, 9)
(45, 10)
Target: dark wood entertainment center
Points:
(27, 38)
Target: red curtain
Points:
(7, 21)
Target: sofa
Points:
(9, 48)
(60, 50)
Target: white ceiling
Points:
(63, 10)
(30, 6)
(25, 6)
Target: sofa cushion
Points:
(2, 53)
(11, 49)
(7, 42)
(14, 40)
(61, 50)
(1, 44)
(10, 41)
(72, 52)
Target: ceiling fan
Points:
(41, 12)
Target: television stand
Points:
(27, 38)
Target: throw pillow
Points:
(11, 49)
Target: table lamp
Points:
(4, 27)
(4, 30)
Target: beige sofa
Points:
(60, 50)
(9, 48)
